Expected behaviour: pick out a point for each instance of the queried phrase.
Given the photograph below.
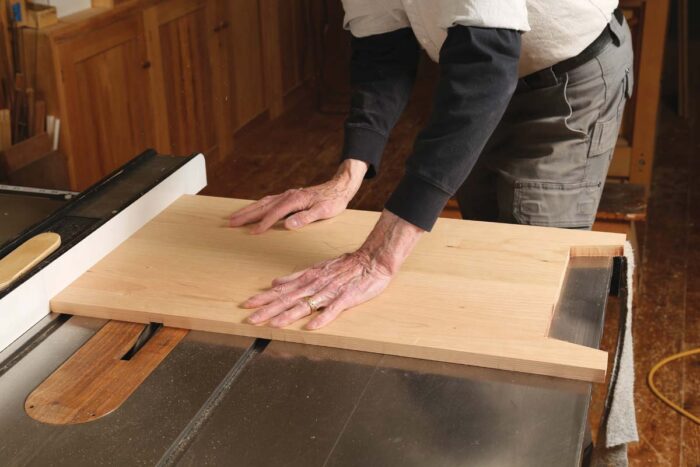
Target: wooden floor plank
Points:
(661, 312)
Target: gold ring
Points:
(312, 304)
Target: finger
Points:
(253, 212)
(301, 310)
(254, 206)
(290, 277)
(309, 283)
(268, 312)
(320, 299)
(332, 311)
(284, 207)
(303, 218)
(266, 297)
(284, 293)
(328, 267)
(308, 273)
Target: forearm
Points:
(478, 74)
(382, 72)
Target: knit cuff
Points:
(417, 201)
(364, 145)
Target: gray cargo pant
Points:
(546, 162)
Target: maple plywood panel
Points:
(472, 292)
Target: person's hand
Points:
(335, 285)
(306, 204)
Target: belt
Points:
(592, 51)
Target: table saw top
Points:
(218, 398)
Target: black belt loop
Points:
(619, 16)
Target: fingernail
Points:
(252, 319)
(294, 223)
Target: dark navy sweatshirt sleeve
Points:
(478, 75)
(382, 72)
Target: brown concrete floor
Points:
(302, 148)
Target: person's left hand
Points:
(340, 283)
(334, 285)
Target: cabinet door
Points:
(299, 23)
(107, 112)
(179, 36)
(240, 37)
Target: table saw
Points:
(219, 399)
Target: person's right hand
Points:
(305, 204)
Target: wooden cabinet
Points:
(104, 94)
(178, 38)
(179, 76)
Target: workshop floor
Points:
(302, 148)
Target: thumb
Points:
(303, 218)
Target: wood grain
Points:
(272, 56)
(95, 380)
(472, 292)
(243, 51)
(184, 64)
(26, 256)
(647, 90)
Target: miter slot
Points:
(184, 440)
(148, 332)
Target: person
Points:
(523, 126)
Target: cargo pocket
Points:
(570, 205)
(604, 134)
(604, 137)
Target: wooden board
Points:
(472, 292)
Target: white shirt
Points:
(554, 30)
